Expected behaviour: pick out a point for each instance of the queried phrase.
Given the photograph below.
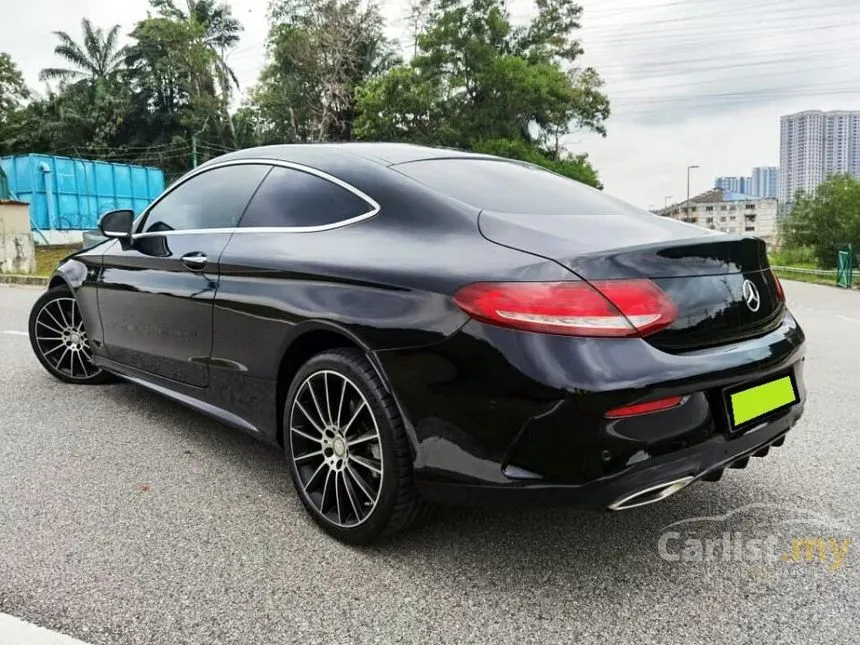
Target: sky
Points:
(690, 82)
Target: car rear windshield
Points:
(508, 187)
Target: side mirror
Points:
(117, 224)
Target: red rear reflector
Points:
(780, 294)
(645, 408)
(605, 308)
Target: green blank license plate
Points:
(754, 402)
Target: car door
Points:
(156, 292)
(270, 280)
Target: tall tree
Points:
(97, 57)
(221, 28)
(418, 18)
(143, 103)
(477, 81)
(320, 52)
(13, 90)
(91, 102)
(219, 31)
(170, 73)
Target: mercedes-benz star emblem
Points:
(751, 296)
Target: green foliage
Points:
(476, 78)
(576, 167)
(475, 81)
(321, 51)
(97, 59)
(827, 221)
(13, 93)
(217, 31)
(403, 106)
(795, 256)
(142, 103)
(169, 68)
(220, 30)
(12, 87)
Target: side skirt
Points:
(170, 390)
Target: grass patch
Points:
(806, 277)
(47, 257)
(802, 257)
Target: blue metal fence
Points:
(71, 194)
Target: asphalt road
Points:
(125, 518)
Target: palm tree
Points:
(220, 34)
(220, 29)
(97, 58)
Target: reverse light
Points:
(620, 308)
(645, 408)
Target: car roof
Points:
(386, 154)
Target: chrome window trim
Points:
(372, 203)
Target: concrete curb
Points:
(16, 278)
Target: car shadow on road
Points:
(203, 435)
(536, 544)
(534, 550)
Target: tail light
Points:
(620, 308)
(645, 408)
(780, 294)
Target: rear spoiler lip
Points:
(686, 258)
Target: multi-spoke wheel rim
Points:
(62, 340)
(336, 448)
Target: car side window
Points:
(213, 199)
(293, 198)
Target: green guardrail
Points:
(845, 267)
(842, 275)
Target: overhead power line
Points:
(714, 37)
(734, 79)
(830, 90)
(727, 6)
(688, 22)
(770, 57)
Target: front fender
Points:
(70, 272)
(79, 272)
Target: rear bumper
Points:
(499, 416)
(704, 460)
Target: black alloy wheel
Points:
(59, 339)
(348, 451)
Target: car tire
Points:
(338, 408)
(59, 339)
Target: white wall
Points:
(17, 251)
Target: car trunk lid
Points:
(721, 284)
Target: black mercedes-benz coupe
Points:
(416, 325)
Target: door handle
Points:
(195, 261)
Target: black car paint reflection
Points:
(492, 413)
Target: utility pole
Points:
(687, 205)
(195, 133)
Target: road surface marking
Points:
(14, 631)
(14, 332)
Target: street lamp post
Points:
(687, 206)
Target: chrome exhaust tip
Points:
(651, 494)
